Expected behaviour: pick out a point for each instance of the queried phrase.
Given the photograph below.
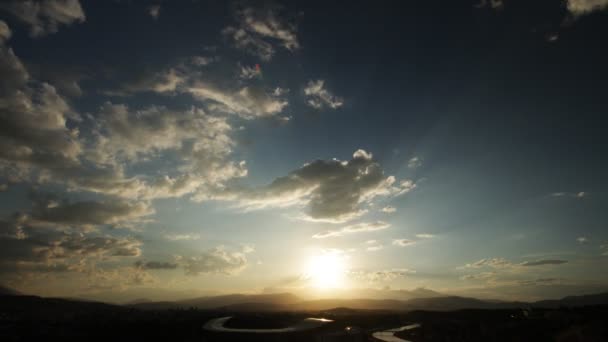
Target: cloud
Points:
(331, 190)
(403, 242)
(505, 265)
(582, 240)
(580, 194)
(492, 262)
(5, 32)
(248, 102)
(182, 237)
(388, 209)
(248, 72)
(155, 265)
(257, 29)
(581, 7)
(494, 4)
(154, 11)
(45, 17)
(34, 132)
(425, 236)
(166, 81)
(544, 262)
(40, 249)
(318, 97)
(414, 163)
(204, 60)
(381, 275)
(216, 261)
(354, 228)
(48, 209)
(487, 276)
(373, 246)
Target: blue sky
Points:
(170, 149)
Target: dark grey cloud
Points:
(33, 117)
(332, 190)
(48, 209)
(45, 16)
(27, 248)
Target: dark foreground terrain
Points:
(30, 318)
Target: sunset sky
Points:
(172, 149)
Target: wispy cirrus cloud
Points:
(372, 276)
(318, 97)
(182, 237)
(353, 228)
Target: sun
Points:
(326, 271)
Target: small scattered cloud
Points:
(249, 72)
(204, 60)
(579, 195)
(403, 242)
(258, 29)
(318, 97)
(493, 4)
(425, 236)
(182, 237)
(582, 240)
(373, 246)
(581, 7)
(414, 163)
(45, 17)
(492, 262)
(218, 260)
(154, 11)
(388, 209)
(380, 275)
(354, 228)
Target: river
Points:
(389, 335)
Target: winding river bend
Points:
(217, 324)
(389, 335)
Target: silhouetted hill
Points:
(361, 304)
(6, 291)
(44, 308)
(575, 301)
(279, 299)
(289, 302)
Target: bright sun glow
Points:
(326, 271)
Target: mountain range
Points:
(433, 301)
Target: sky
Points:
(172, 149)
